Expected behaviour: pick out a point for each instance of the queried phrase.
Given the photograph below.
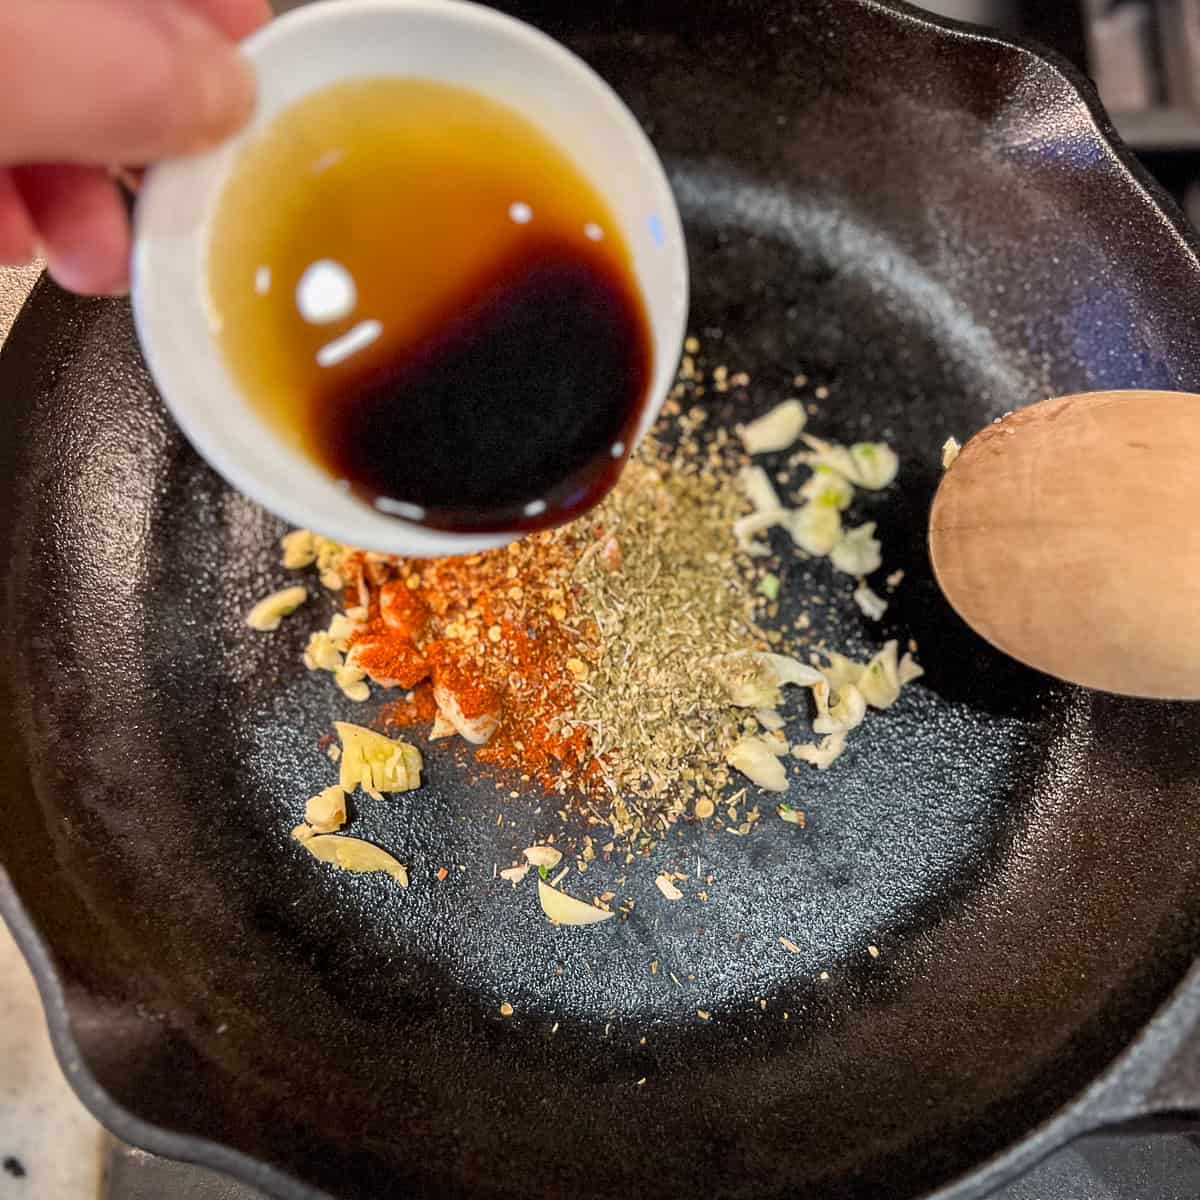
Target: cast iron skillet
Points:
(937, 225)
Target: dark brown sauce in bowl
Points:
(425, 295)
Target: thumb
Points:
(112, 81)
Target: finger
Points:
(18, 242)
(81, 225)
(99, 81)
(234, 18)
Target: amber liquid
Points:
(490, 369)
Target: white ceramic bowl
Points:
(310, 48)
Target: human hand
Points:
(86, 85)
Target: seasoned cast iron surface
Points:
(931, 227)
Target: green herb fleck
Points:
(768, 586)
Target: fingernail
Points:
(226, 92)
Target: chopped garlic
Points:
(824, 753)
(908, 670)
(838, 710)
(829, 455)
(376, 763)
(754, 679)
(352, 682)
(776, 741)
(514, 875)
(341, 630)
(750, 681)
(322, 653)
(758, 760)
(542, 856)
(876, 464)
(768, 511)
(299, 549)
(841, 670)
(476, 730)
(329, 562)
(759, 490)
(880, 681)
(871, 465)
(666, 885)
(268, 612)
(769, 719)
(566, 910)
(744, 529)
(352, 854)
(815, 528)
(857, 552)
(872, 604)
(825, 486)
(950, 451)
(775, 430)
(441, 728)
(326, 811)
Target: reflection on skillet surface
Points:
(1016, 851)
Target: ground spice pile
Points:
(665, 585)
(492, 644)
(578, 658)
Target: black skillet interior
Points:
(930, 225)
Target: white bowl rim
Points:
(374, 530)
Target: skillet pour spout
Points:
(938, 225)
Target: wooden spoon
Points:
(1068, 535)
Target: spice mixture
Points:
(581, 658)
(619, 660)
